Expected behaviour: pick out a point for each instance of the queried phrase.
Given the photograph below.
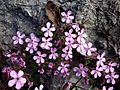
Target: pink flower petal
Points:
(20, 73)
(12, 82)
(13, 74)
(22, 80)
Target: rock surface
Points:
(101, 18)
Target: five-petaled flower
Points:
(67, 17)
(63, 68)
(81, 70)
(111, 77)
(32, 43)
(17, 79)
(110, 67)
(18, 39)
(40, 87)
(97, 72)
(46, 44)
(48, 29)
(101, 59)
(53, 54)
(40, 58)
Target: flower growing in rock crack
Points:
(63, 68)
(89, 49)
(111, 77)
(18, 38)
(70, 36)
(110, 88)
(76, 27)
(101, 59)
(97, 72)
(40, 57)
(66, 54)
(40, 87)
(46, 43)
(48, 29)
(17, 79)
(110, 67)
(32, 43)
(81, 70)
(53, 54)
(67, 17)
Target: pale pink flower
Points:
(101, 59)
(97, 72)
(81, 70)
(66, 54)
(30, 84)
(32, 43)
(46, 43)
(111, 77)
(66, 17)
(17, 79)
(69, 45)
(40, 57)
(40, 87)
(110, 67)
(18, 38)
(110, 88)
(70, 36)
(76, 27)
(89, 49)
(41, 71)
(63, 68)
(48, 29)
(53, 54)
(81, 36)
(51, 65)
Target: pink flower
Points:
(53, 54)
(76, 27)
(97, 72)
(110, 88)
(51, 65)
(32, 43)
(18, 39)
(70, 36)
(48, 30)
(66, 54)
(80, 70)
(46, 43)
(109, 68)
(40, 87)
(101, 59)
(63, 68)
(81, 36)
(30, 84)
(111, 77)
(89, 49)
(69, 45)
(17, 79)
(67, 17)
(40, 57)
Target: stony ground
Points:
(101, 18)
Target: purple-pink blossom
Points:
(76, 27)
(89, 49)
(46, 44)
(101, 59)
(53, 54)
(111, 77)
(110, 67)
(67, 54)
(67, 17)
(81, 70)
(32, 43)
(70, 36)
(18, 79)
(97, 72)
(48, 29)
(63, 68)
(40, 57)
(18, 38)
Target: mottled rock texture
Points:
(101, 18)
